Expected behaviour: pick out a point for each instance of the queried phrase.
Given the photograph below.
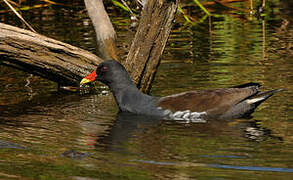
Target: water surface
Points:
(47, 134)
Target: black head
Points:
(109, 72)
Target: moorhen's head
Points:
(108, 72)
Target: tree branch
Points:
(150, 40)
(105, 32)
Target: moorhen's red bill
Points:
(235, 102)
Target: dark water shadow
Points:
(27, 106)
(39, 104)
(127, 126)
(147, 129)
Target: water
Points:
(52, 135)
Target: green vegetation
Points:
(228, 46)
(192, 12)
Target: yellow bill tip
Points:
(84, 81)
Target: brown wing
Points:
(214, 102)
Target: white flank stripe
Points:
(254, 100)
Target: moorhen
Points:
(235, 102)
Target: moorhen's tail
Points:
(254, 101)
(261, 97)
(245, 108)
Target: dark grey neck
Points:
(130, 99)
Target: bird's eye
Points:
(104, 69)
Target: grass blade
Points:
(18, 15)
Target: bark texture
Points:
(104, 29)
(150, 40)
(43, 56)
(66, 64)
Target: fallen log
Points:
(66, 64)
(43, 56)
